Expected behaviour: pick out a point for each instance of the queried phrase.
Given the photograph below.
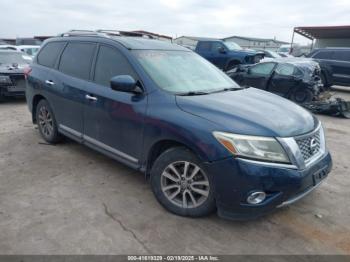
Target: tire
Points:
(231, 65)
(301, 95)
(46, 122)
(326, 85)
(171, 189)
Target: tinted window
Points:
(342, 55)
(204, 46)
(49, 53)
(110, 62)
(324, 55)
(285, 70)
(76, 59)
(262, 69)
(215, 46)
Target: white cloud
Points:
(216, 18)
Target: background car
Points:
(337, 61)
(269, 55)
(30, 50)
(297, 80)
(226, 55)
(12, 73)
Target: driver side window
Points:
(110, 62)
(262, 69)
(216, 46)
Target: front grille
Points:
(309, 145)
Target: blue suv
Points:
(227, 55)
(204, 143)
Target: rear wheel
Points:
(324, 82)
(47, 122)
(302, 95)
(181, 184)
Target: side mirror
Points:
(125, 83)
(222, 50)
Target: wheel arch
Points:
(36, 99)
(160, 147)
(234, 61)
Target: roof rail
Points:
(124, 33)
(75, 32)
(109, 32)
(104, 33)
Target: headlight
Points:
(254, 147)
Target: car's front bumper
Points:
(234, 179)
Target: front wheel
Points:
(181, 184)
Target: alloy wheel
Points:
(45, 121)
(185, 184)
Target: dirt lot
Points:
(68, 199)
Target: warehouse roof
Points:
(316, 32)
(256, 39)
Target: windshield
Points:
(232, 46)
(283, 49)
(14, 58)
(31, 51)
(182, 72)
(274, 54)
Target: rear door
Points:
(113, 120)
(339, 63)
(205, 49)
(341, 67)
(258, 75)
(68, 83)
(285, 78)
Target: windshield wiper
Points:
(228, 89)
(193, 93)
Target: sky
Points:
(210, 18)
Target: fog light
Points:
(256, 197)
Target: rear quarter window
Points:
(49, 53)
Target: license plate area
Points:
(319, 176)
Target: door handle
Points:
(49, 82)
(91, 98)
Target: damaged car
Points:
(13, 65)
(298, 80)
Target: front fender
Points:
(166, 121)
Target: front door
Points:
(113, 120)
(258, 75)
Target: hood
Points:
(247, 52)
(250, 112)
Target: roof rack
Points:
(104, 33)
(124, 33)
(75, 32)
